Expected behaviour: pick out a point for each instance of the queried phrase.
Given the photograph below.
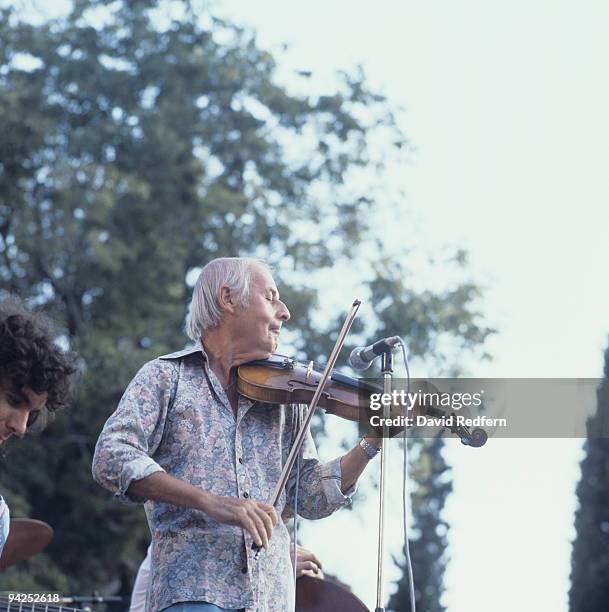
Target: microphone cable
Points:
(405, 491)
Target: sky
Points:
(505, 104)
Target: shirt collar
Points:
(197, 347)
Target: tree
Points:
(135, 147)
(590, 556)
(428, 542)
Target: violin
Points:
(283, 380)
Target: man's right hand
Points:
(256, 518)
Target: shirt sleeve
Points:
(319, 484)
(5, 520)
(133, 433)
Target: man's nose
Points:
(18, 423)
(283, 312)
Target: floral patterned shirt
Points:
(175, 417)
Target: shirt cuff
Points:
(331, 480)
(139, 468)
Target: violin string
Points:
(405, 492)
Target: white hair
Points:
(233, 272)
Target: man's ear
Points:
(226, 299)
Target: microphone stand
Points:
(387, 371)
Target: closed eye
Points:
(14, 400)
(32, 417)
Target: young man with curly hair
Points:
(35, 376)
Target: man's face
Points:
(18, 408)
(258, 325)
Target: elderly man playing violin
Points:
(205, 459)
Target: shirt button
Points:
(244, 570)
(241, 460)
(246, 495)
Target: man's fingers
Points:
(268, 522)
(250, 526)
(261, 528)
(270, 511)
(256, 518)
(308, 565)
(308, 573)
(308, 568)
(303, 554)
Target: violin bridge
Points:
(309, 371)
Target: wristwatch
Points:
(370, 450)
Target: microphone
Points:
(362, 356)
(477, 438)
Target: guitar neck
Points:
(20, 603)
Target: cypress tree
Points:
(590, 556)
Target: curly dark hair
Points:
(29, 356)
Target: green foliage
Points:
(590, 556)
(132, 151)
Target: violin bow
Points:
(302, 432)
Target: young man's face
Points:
(17, 409)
